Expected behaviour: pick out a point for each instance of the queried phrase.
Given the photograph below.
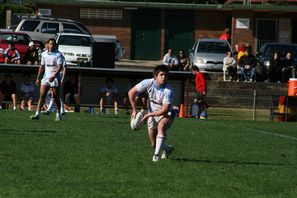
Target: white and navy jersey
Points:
(51, 60)
(158, 96)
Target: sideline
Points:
(264, 132)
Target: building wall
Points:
(208, 23)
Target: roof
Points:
(162, 5)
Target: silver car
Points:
(208, 53)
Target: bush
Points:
(14, 8)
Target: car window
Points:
(74, 40)
(17, 38)
(69, 28)
(50, 28)
(29, 25)
(213, 47)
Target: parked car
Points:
(119, 50)
(265, 54)
(21, 41)
(76, 48)
(44, 28)
(208, 53)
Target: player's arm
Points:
(162, 112)
(132, 98)
(40, 71)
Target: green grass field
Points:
(91, 155)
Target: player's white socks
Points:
(50, 104)
(160, 144)
(62, 106)
(37, 112)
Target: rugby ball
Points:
(136, 122)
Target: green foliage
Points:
(93, 155)
(14, 8)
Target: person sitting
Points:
(27, 92)
(8, 90)
(183, 61)
(70, 91)
(274, 70)
(230, 65)
(32, 54)
(140, 97)
(247, 65)
(12, 55)
(288, 68)
(108, 94)
(170, 60)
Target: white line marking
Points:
(266, 132)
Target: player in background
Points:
(51, 65)
(160, 115)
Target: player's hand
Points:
(133, 114)
(51, 79)
(146, 116)
(37, 82)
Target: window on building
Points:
(111, 14)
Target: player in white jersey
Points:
(160, 115)
(51, 65)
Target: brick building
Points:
(146, 29)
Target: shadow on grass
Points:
(226, 162)
(26, 131)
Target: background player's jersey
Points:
(158, 96)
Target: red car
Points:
(21, 41)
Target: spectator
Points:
(183, 61)
(247, 65)
(200, 85)
(288, 68)
(8, 90)
(140, 97)
(230, 65)
(108, 94)
(27, 92)
(12, 55)
(274, 70)
(226, 35)
(71, 92)
(32, 54)
(170, 60)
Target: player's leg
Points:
(58, 103)
(14, 101)
(116, 105)
(102, 104)
(42, 93)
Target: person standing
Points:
(160, 115)
(200, 86)
(226, 35)
(51, 65)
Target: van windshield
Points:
(213, 47)
(74, 40)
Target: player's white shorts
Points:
(46, 82)
(152, 122)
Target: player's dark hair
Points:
(160, 68)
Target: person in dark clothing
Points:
(247, 65)
(288, 68)
(32, 54)
(275, 68)
(8, 91)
